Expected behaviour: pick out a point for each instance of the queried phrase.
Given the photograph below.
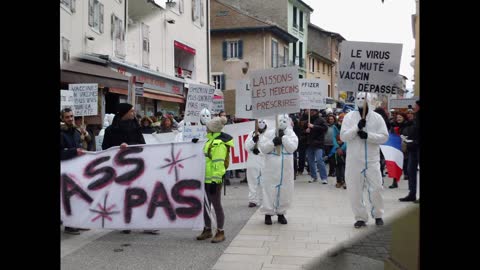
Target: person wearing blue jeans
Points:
(315, 131)
(316, 154)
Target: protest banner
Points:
(369, 67)
(85, 98)
(140, 187)
(199, 97)
(274, 91)
(313, 93)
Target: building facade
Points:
(293, 16)
(242, 42)
(155, 49)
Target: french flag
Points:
(392, 151)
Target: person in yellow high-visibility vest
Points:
(217, 151)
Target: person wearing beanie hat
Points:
(217, 154)
(278, 172)
(255, 163)
(124, 130)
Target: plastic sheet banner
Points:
(140, 187)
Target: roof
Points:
(245, 22)
(333, 34)
(307, 6)
(274, 29)
(324, 59)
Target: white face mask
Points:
(262, 124)
(360, 99)
(283, 121)
(205, 116)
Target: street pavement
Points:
(319, 235)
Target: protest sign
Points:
(369, 67)
(199, 97)
(275, 91)
(85, 98)
(140, 187)
(313, 93)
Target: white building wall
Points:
(74, 26)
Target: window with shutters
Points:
(328, 70)
(232, 49)
(219, 81)
(118, 36)
(145, 45)
(285, 56)
(312, 65)
(294, 21)
(300, 20)
(95, 15)
(323, 69)
(197, 12)
(65, 50)
(274, 53)
(68, 5)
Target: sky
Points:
(372, 21)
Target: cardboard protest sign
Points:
(85, 98)
(197, 131)
(199, 97)
(66, 99)
(218, 105)
(369, 67)
(313, 93)
(275, 91)
(401, 103)
(140, 187)
(243, 99)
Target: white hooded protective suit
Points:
(255, 163)
(362, 168)
(277, 175)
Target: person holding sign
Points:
(315, 131)
(277, 181)
(124, 130)
(217, 156)
(255, 163)
(364, 135)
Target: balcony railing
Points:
(183, 73)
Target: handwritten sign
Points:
(313, 93)
(369, 67)
(85, 99)
(275, 91)
(199, 97)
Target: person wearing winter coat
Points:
(216, 151)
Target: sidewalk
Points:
(320, 223)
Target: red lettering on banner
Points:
(246, 150)
(240, 144)
(234, 158)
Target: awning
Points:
(153, 94)
(184, 47)
(83, 72)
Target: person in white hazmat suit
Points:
(205, 117)
(255, 163)
(362, 168)
(278, 173)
